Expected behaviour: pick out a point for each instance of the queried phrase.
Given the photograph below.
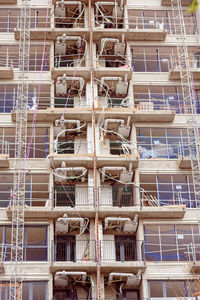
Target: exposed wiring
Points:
(69, 177)
(124, 183)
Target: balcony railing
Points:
(118, 196)
(73, 250)
(160, 147)
(73, 196)
(164, 101)
(166, 195)
(65, 249)
(170, 250)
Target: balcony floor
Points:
(4, 161)
(174, 74)
(6, 73)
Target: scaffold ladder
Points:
(188, 96)
(18, 197)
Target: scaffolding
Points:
(20, 157)
(188, 95)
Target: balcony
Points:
(193, 251)
(151, 99)
(120, 252)
(183, 2)
(118, 198)
(67, 198)
(134, 28)
(6, 67)
(8, 1)
(193, 63)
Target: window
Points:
(122, 195)
(65, 248)
(171, 242)
(30, 290)
(64, 196)
(169, 189)
(35, 242)
(125, 248)
(129, 294)
(160, 289)
(64, 294)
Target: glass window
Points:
(171, 242)
(35, 243)
(3, 290)
(175, 289)
(156, 289)
(39, 291)
(159, 289)
(31, 290)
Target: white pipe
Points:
(104, 169)
(106, 3)
(111, 275)
(63, 38)
(71, 169)
(112, 121)
(104, 40)
(70, 273)
(81, 220)
(67, 2)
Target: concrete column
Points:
(137, 200)
(125, 26)
(94, 55)
(90, 138)
(51, 241)
(130, 94)
(51, 56)
(198, 19)
(86, 23)
(133, 139)
(128, 55)
(52, 94)
(144, 288)
(140, 239)
(51, 137)
(50, 287)
(88, 94)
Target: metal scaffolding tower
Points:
(18, 197)
(188, 96)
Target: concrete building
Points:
(112, 198)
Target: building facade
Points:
(111, 192)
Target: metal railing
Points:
(162, 149)
(36, 149)
(68, 249)
(73, 250)
(193, 251)
(145, 23)
(118, 196)
(122, 250)
(166, 195)
(164, 101)
(168, 251)
(8, 58)
(65, 195)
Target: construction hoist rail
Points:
(188, 96)
(18, 194)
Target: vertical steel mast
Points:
(18, 198)
(188, 96)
